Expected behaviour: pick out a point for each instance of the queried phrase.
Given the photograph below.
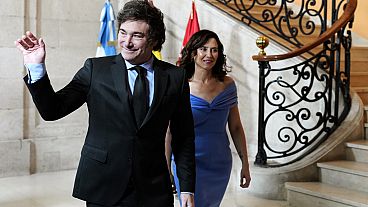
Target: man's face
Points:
(133, 40)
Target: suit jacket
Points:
(115, 149)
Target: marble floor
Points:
(54, 190)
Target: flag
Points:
(192, 27)
(157, 54)
(107, 36)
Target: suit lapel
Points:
(120, 76)
(159, 88)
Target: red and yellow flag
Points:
(157, 54)
(192, 27)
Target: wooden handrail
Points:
(342, 21)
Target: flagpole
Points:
(192, 27)
(191, 10)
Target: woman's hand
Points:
(245, 177)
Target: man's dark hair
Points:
(141, 10)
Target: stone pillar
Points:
(14, 149)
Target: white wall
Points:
(70, 29)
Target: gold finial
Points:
(262, 43)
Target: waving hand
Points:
(33, 49)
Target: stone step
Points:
(347, 174)
(358, 57)
(358, 53)
(357, 150)
(356, 66)
(359, 144)
(359, 79)
(308, 194)
(363, 94)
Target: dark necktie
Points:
(140, 95)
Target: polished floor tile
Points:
(54, 190)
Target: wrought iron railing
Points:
(302, 104)
(284, 18)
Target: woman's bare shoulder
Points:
(228, 80)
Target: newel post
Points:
(261, 157)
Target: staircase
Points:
(359, 54)
(341, 183)
(359, 72)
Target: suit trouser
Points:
(129, 198)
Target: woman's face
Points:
(207, 55)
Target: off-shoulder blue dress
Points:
(212, 150)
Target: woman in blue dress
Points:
(214, 105)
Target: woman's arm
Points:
(238, 136)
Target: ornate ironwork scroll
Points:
(302, 104)
(285, 18)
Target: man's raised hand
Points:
(33, 49)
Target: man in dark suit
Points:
(123, 158)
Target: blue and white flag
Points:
(107, 36)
